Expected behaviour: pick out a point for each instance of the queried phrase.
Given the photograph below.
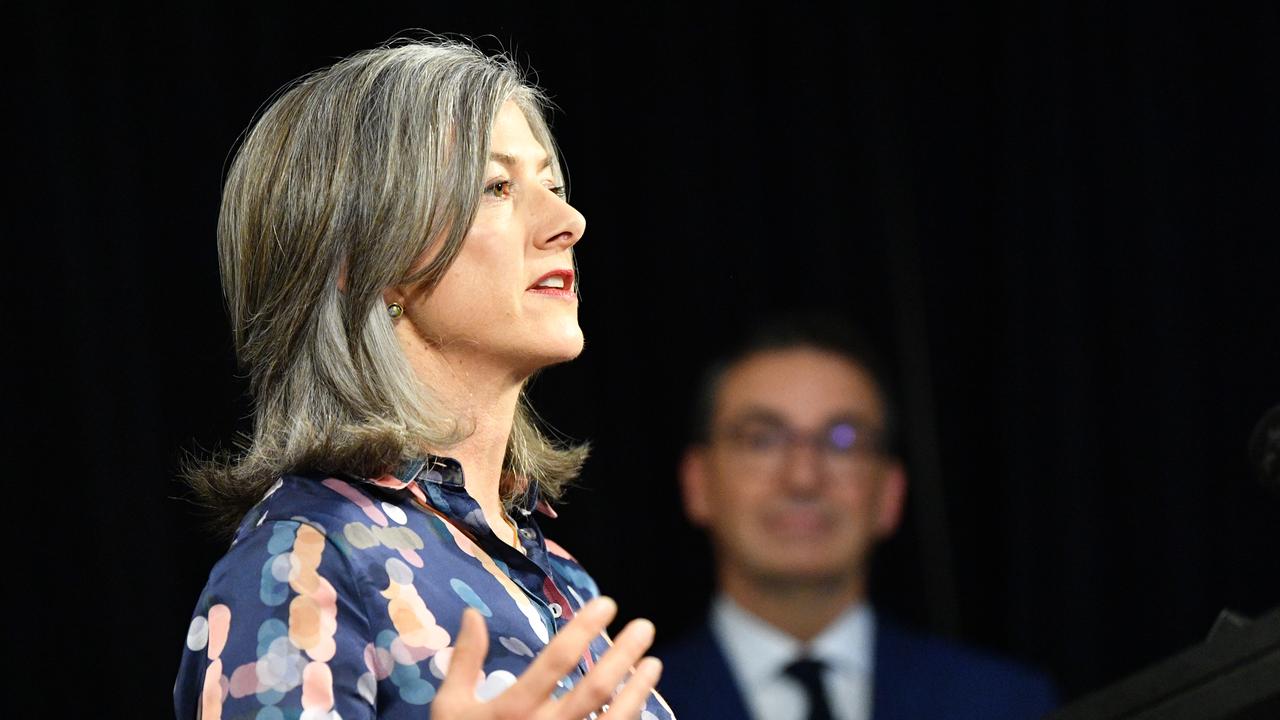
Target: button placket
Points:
(445, 489)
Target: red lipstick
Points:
(557, 283)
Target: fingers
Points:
(557, 659)
(598, 686)
(631, 700)
(531, 693)
(458, 688)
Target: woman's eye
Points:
(559, 191)
(500, 189)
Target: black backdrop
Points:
(1059, 218)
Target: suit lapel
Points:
(892, 697)
(725, 700)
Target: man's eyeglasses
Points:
(764, 446)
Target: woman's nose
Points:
(562, 224)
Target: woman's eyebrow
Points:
(508, 160)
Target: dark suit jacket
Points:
(917, 677)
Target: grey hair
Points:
(349, 178)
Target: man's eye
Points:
(500, 189)
(764, 439)
(841, 438)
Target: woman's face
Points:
(509, 298)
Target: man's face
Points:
(793, 486)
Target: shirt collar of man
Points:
(760, 651)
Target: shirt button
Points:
(556, 610)
(528, 533)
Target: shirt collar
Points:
(846, 644)
(755, 648)
(446, 471)
(759, 651)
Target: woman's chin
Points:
(569, 345)
(557, 346)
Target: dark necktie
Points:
(808, 672)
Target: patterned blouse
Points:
(340, 599)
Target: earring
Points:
(395, 310)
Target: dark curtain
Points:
(1058, 219)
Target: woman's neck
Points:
(484, 398)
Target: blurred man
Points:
(793, 476)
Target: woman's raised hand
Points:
(530, 697)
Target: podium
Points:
(1233, 675)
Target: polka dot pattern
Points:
(367, 686)
(361, 500)
(406, 676)
(396, 514)
(409, 615)
(313, 613)
(317, 688)
(244, 681)
(273, 585)
(470, 597)
(280, 667)
(379, 661)
(270, 712)
(339, 596)
(359, 535)
(494, 684)
(198, 633)
(516, 646)
(398, 572)
(216, 685)
(523, 604)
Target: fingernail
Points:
(641, 631)
(601, 608)
(650, 667)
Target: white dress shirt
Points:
(757, 653)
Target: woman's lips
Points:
(557, 283)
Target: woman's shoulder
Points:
(346, 528)
(325, 502)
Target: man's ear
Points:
(695, 486)
(893, 495)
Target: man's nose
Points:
(804, 468)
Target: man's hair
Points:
(346, 181)
(815, 330)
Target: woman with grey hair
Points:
(397, 257)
